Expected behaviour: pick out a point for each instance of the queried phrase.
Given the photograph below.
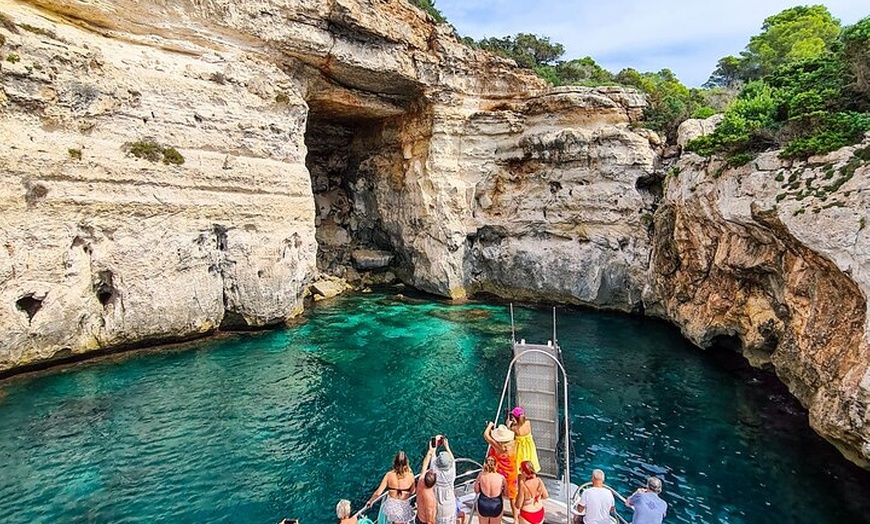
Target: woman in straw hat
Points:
(522, 428)
(502, 448)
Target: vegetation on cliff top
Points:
(801, 84)
(429, 7)
(804, 87)
(670, 102)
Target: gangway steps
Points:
(535, 376)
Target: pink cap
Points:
(517, 412)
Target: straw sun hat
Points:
(502, 434)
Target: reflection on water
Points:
(256, 427)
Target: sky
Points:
(687, 37)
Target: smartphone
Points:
(433, 442)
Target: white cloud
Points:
(687, 37)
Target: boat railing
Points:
(462, 479)
(577, 492)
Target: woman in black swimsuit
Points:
(490, 487)
(400, 483)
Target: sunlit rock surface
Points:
(773, 260)
(313, 131)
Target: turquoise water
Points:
(252, 428)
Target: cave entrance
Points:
(347, 159)
(359, 126)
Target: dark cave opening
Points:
(725, 343)
(726, 351)
(349, 162)
(29, 304)
(104, 287)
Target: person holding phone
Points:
(426, 507)
(444, 467)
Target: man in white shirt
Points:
(597, 501)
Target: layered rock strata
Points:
(353, 127)
(771, 259)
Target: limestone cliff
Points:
(172, 167)
(771, 259)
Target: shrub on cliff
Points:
(429, 7)
(670, 102)
(795, 34)
(807, 106)
(154, 152)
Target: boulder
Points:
(369, 259)
(697, 127)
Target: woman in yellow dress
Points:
(525, 444)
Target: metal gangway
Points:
(536, 387)
(535, 380)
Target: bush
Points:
(744, 126)
(831, 133)
(154, 152)
(75, 154)
(704, 112)
(812, 103)
(856, 57)
(12, 58)
(172, 156)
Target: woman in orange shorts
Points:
(503, 450)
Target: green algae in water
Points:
(257, 427)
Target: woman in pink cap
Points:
(525, 444)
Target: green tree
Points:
(527, 50)
(745, 126)
(798, 33)
(856, 55)
(537, 50)
(728, 73)
(670, 102)
(582, 71)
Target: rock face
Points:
(173, 167)
(102, 249)
(771, 260)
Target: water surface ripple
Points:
(256, 427)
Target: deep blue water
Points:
(255, 427)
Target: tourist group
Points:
(509, 472)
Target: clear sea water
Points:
(255, 427)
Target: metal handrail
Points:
(586, 485)
(567, 475)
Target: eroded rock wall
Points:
(534, 198)
(101, 249)
(771, 259)
(469, 170)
